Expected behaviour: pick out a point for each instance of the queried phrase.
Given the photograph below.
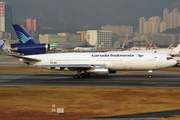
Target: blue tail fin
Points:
(23, 36)
(2, 43)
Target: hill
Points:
(89, 14)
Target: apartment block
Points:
(99, 36)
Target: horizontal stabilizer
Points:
(25, 58)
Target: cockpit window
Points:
(169, 58)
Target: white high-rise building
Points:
(171, 20)
(99, 36)
(163, 26)
(154, 28)
(166, 17)
(145, 28)
(142, 20)
(154, 23)
(175, 17)
(5, 17)
(179, 19)
(121, 30)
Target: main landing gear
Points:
(82, 75)
(150, 74)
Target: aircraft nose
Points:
(173, 62)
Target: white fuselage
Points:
(113, 60)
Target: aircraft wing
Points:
(76, 66)
(68, 65)
(25, 58)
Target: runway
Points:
(10, 61)
(165, 79)
(161, 79)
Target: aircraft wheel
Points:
(150, 76)
(88, 75)
(81, 76)
(76, 76)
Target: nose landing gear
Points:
(150, 74)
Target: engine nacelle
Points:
(99, 70)
(31, 49)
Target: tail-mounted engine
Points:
(30, 49)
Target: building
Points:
(175, 17)
(162, 40)
(60, 37)
(142, 20)
(166, 17)
(6, 18)
(51, 38)
(172, 19)
(96, 37)
(19, 21)
(150, 26)
(121, 30)
(83, 35)
(34, 25)
(163, 26)
(154, 25)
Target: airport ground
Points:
(27, 93)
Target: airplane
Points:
(101, 64)
(54, 45)
(140, 48)
(171, 52)
(155, 47)
(87, 48)
(2, 43)
(170, 46)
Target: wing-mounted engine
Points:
(99, 70)
(30, 49)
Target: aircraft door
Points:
(129, 63)
(160, 62)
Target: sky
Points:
(90, 14)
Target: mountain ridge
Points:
(90, 14)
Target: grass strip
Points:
(28, 103)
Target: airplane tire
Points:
(76, 76)
(150, 76)
(81, 76)
(88, 75)
(84, 75)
